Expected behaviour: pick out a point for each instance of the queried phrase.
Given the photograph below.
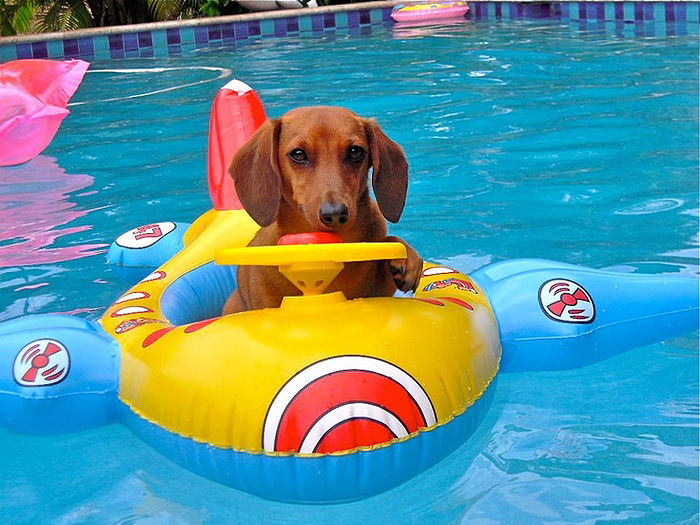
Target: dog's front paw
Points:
(406, 272)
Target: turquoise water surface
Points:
(525, 139)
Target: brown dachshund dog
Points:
(307, 171)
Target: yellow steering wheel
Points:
(311, 260)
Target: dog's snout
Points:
(332, 214)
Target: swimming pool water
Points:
(526, 139)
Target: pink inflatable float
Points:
(33, 99)
(422, 11)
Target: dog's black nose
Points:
(332, 214)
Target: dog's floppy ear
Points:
(389, 172)
(256, 174)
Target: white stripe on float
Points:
(348, 412)
(438, 270)
(130, 310)
(132, 297)
(339, 364)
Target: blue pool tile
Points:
(375, 16)
(173, 35)
(187, 36)
(609, 11)
(56, 49)
(240, 30)
(565, 11)
(659, 13)
(131, 42)
(267, 28)
(159, 40)
(628, 11)
(681, 12)
(40, 50)
(306, 24)
(386, 15)
(648, 11)
(692, 12)
(201, 36)
(316, 23)
(573, 11)
(353, 19)
(24, 51)
(86, 46)
(341, 19)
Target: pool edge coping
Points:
(198, 22)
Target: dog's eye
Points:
(356, 154)
(298, 156)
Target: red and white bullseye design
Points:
(345, 402)
(41, 363)
(566, 301)
(145, 236)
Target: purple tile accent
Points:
(535, 10)
(214, 32)
(254, 28)
(280, 27)
(131, 42)
(649, 12)
(173, 35)
(241, 29)
(670, 13)
(365, 17)
(24, 51)
(353, 19)
(499, 11)
(511, 11)
(638, 11)
(116, 54)
(475, 12)
(292, 25)
(582, 11)
(328, 20)
(201, 36)
(386, 15)
(40, 50)
(145, 39)
(619, 11)
(174, 50)
(600, 11)
(147, 53)
(71, 49)
(518, 10)
(116, 43)
(227, 32)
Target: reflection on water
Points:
(35, 205)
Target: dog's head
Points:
(316, 160)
